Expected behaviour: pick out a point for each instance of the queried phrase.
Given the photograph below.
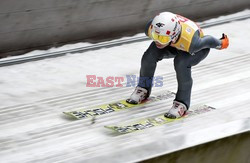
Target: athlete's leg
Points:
(183, 63)
(199, 56)
(149, 63)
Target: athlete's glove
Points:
(224, 41)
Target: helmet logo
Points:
(159, 25)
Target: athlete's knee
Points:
(152, 54)
(199, 56)
(204, 53)
(181, 63)
(147, 59)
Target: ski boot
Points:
(178, 110)
(138, 96)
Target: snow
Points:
(33, 81)
(33, 96)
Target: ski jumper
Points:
(190, 48)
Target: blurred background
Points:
(27, 24)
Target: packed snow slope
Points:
(34, 95)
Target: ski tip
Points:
(109, 127)
(210, 107)
(68, 114)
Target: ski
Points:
(115, 106)
(157, 120)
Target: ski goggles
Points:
(159, 38)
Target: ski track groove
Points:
(64, 129)
(101, 91)
(45, 111)
(26, 115)
(92, 151)
(80, 103)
